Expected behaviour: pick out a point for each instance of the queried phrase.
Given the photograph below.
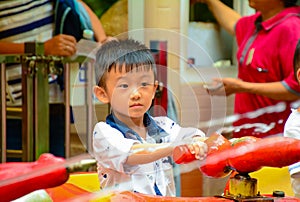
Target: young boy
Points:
(132, 148)
(292, 127)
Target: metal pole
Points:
(28, 67)
(3, 113)
(67, 105)
(41, 108)
(89, 106)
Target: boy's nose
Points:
(135, 93)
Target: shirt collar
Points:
(152, 128)
(277, 19)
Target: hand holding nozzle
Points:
(184, 153)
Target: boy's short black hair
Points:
(297, 60)
(131, 53)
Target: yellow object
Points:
(268, 180)
(89, 182)
(273, 179)
(241, 186)
(85, 181)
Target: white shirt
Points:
(292, 129)
(111, 150)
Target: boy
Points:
(132, 148)
(292, 127)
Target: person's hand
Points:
(60, 45)
(198, 147)
(230, 86)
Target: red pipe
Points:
(249, 154)
(21, 178)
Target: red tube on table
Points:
(272, 152)
(249, 154)
(20, 178)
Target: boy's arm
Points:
(147, 153)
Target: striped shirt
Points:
(24, 21)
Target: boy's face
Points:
(129, 94)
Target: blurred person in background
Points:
(23, 21)
(266, 42)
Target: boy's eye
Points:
(123, 85)
(145, 84)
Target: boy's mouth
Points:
(136, 105)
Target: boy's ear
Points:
(101, 95)
(298, 75)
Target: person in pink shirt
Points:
(266, 44)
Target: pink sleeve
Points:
(291, 84)
(289, 42)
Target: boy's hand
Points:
(199, 148)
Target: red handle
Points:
(182, 154)
(215, 142)
(11, 188)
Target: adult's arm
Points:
(60, 45)
(11, 48)
(99, 32)
(226, 16)
(273, 90)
